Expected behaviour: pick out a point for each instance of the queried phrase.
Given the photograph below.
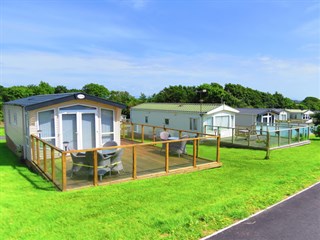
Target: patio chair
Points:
(116, 162)
(179, 147)
(110, 151)
(103, 164)
(164, 136)
(110, 143)
(78, 163)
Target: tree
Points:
(175, 94)
(312, 103)
(96, 90)
(42, 89)
(16, 92)
(125, 98)
(60, 89)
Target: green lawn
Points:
(185, 206)
(2, 131)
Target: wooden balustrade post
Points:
(132, 131)
(38, 151)
(64, 172)
(123, 127)
(33, 150)
(134, 163)
(290, 136)
(218, 149)
(233, 132)
(53, 165)
(167, 158)
(268, 146)
(195, 152)
(95, 168)
(198, 142)
(154, 134)
(142, 133)
(44, 157)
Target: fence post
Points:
(195, 151)
(268, 146)
(134, 163)
(142, 133)
(298, 129)
(248, 137)
(233, 132)
(278, 132)
(154, 134)
(290, 136)
(132, 132)
(95, 168)
(64, 172)
(53, 165)
(123, 127)
(44, 157)
(167, 158)
(32, 149)
(198, 142)
(38, 151)
(218, 149)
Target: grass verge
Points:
(185, 206)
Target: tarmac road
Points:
(297, 218)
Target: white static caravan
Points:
(253, 116)
(66, 120)
(298, 114)
(205, 118)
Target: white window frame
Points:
(193, 124)
(79, 122)
(54, 121)
(15, 119)
(113, 119)
(222, 115)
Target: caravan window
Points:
(193, 124)
(46, 126)
(222, 121)
(107, 125)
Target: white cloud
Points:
(294, 78)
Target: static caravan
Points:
(303, 116)
(253, 116)
(205, 118)
(66, 120)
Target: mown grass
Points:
(185, 206)
(2, 133)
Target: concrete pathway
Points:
(296, 218)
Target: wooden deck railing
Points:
(40, 158)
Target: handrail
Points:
(37, 154)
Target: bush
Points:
(316, 131)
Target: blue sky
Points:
(142, 46)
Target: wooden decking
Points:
(150, 163)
